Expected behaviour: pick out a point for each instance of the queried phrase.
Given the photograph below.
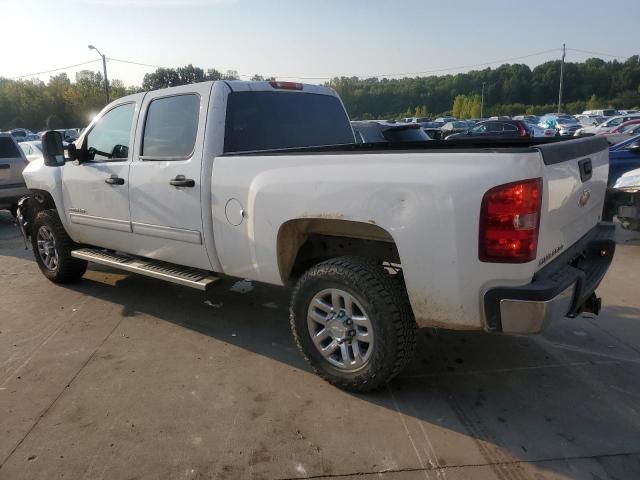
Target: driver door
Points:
(96, 190)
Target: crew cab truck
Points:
(263, 181)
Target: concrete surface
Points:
(125, 377)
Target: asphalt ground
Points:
(127, 377)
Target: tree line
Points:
(508, 90)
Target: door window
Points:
(494, 128)
(509, 129)
(108, 140)
(479, 130)
(171, 127)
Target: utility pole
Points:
(482, 103)
(104, 69)
(561, 79)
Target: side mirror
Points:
(52, 149)
(634, 147)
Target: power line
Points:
(51, 71)
(598, 53)
(135, 63)
(459, 67)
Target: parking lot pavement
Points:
(126, 377)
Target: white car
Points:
(606, 126)
(264, 181)
(32, 150)
(538, 130)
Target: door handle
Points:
(114, 180)
(181, 181)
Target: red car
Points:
(628, 127)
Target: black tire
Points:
(66, 269)
(385, 302)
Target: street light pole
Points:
(561, 80)
(104, 69)
(482, 103)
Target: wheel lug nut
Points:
(349, 321)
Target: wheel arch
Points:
(303, 242)
(37, 201)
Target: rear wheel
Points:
(352, 322)
(52, 248)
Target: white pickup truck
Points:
(263, 181)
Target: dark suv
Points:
(495, 129)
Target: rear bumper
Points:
(565, 287)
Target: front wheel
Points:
(52, 248)
(352, 322)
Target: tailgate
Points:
(575, 182)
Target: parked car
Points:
(382, 131)
(375, 241)
(607, 112)
(627, 112)
(628, 127)
(20, 134)
(624, 200)
(444, 120)
(456, 126)
(565, 125)
(538, 131)
(624, 157)
(607, 126)
(32, 150)
(433, 129)
(496, 129)
(532, 119)
(590, 120)
(68, 134)
(12, 162)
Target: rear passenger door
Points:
(165, 178)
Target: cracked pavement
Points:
(126, 377)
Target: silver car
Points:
(32, 150)
(12, 162)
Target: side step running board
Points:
(189, 277)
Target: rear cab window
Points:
(171, 127)
(277, 120)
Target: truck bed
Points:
(556, 147)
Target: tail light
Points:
(523, 132)
(509, 222)
(286, 85)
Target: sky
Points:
(308, 39)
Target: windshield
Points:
(274, 120)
